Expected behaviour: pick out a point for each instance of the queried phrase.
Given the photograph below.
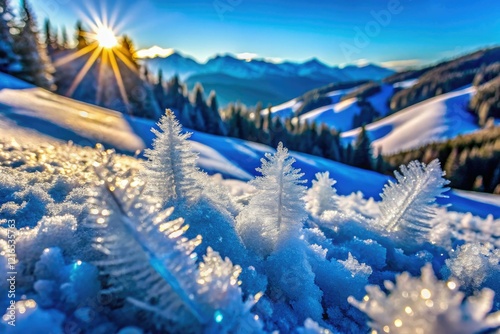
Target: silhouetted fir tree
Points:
(175, 94)
(81, 40)
(145, 74)
(362, 154)
(64, 39)
(160, 95)
(269, 118)
(452, 163)
(257, 116)
(379, 163)
(215, 126)
(348, 154)
(9, 60)
(185, 116)
(198, 102)
(335, 151)
(50, 37)
(36, 65)
(278, 133)
(128, 49)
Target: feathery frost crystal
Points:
(408, 206)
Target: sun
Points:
(103, 46)
(106, 38)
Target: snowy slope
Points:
(339, 114)
(46, 114)
(433, 120)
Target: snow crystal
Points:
(355, 267)
(426, 305)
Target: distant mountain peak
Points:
(315, 61)
(257, 68)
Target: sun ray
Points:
(83, 71)
(104, 14)
(76, 55)
(104, 65)
(119, 80)
(126, 61)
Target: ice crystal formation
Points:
(110, 244)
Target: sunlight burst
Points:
(104, 45)
(106, 38)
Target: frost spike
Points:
(409, 205)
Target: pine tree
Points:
(277, 210)
(215, 123)
(50, 39)
(9, 61)
(64, 39)
(200, 108)
(81, 41)
(362, 154)
(159, 90)
(36, 65)
(128, 49)
(170, 169)
(175, 98)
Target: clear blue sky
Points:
(417, 31)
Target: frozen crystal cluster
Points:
(109, 244)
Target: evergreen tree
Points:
(9, 61)
(201, 117)
(159, 90)
(175, 97)
(269, 118)
(50, 38)
(128, 49)
(64, 39)
(362, 153)
(259, 122)
(36, 65)
(276, 211)
(215, 125)
(81, 40)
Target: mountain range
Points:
(257, 80)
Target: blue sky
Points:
(391, 32)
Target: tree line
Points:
(471, 162)
(22, 54)
(442, 78)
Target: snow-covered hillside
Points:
(340, 113)
(33, 109)
(436, 119)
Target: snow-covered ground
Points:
(339, 114)
(433, 120)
